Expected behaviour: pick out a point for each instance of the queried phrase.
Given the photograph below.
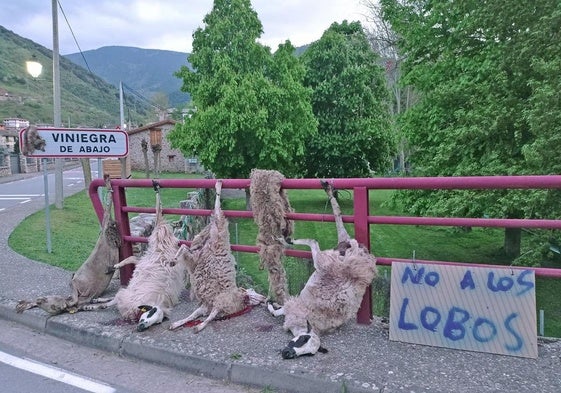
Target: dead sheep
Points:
(94, 275)
(269, 203)
(332, 294)
(212, 272)
(156, 283)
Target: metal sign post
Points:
(47, 209)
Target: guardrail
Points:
(361, 217)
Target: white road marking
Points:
(24, 198)
(18, 196)
(55, 373)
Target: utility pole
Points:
(123, 127)
(57, 121)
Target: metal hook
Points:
(414, 261)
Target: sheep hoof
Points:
(275, 309)
(174, 326)
(24, 305)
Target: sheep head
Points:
(305, 344)
(150, 316)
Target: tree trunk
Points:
(146, 164)
(87, 169)
(512, 241)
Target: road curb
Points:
(254, 376)
(92, 337)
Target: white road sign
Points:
(73, 142)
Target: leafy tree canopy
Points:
(350, 101)
(484, 70)
(252, 110)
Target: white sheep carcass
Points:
(156, 283)
(332, 294)
(94, 275)
(212, 272)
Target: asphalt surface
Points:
(246, 349)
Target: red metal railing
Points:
(361, 217)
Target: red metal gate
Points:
(361, 217)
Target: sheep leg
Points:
(182, 249)
(202, 310)
(98, 306)
(275, 309)
(342, 235)
(98, 300)
(25, 305)
(210, 317)
(218, 188)
(313, 244)
(75, 294)
(183, 252)
(132, 259)
(217, 220)
(314, 247)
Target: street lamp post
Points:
(57, 121)
(34, 68)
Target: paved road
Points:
(58, 366)
(32, 187)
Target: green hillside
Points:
(86, 100)
(147, 71)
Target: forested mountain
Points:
(147, 71)
(86, 99)
(150, 72)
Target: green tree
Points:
(350, 101)
(252, 110)
(544, 110)
(473, 64)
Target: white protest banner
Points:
(463, 307)
(73, 142)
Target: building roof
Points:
(151, 126)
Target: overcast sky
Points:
(165, 24)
